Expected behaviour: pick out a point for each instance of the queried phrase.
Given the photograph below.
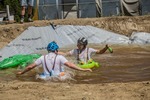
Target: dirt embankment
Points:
(17, 90)
(121, 25)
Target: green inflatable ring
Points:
(18, 60)
(90, 64)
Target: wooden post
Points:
(36, 17)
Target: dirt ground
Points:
(28, 90)
(18, 90)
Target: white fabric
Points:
(83, 54)
(131, 7)
(49, 58)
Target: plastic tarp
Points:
(31, 40)
(35, 39)
(94, 35)
(140, 38)
(131, 7)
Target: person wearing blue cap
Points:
(52, 63)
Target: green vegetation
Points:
(1, 5)
(14, 6)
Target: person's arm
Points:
(61, 53)
(71, 65)
(103, 50)
(28, 68)
(64, 53)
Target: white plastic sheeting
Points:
(31, 40)
(93, 34)
(140, 38)
(35, 39)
